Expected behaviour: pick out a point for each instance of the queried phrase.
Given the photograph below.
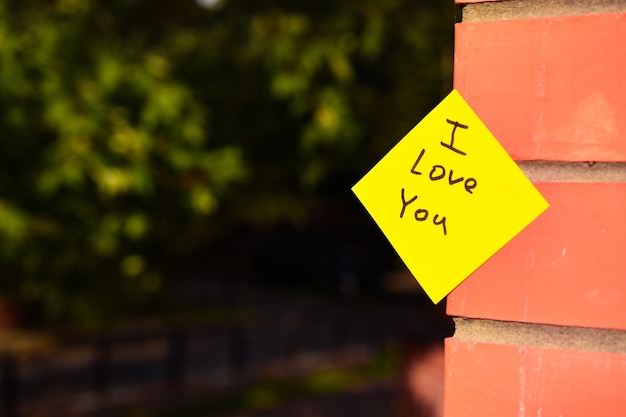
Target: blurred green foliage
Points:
(133, 132)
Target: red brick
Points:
(549, 88)
(485, 379)
(567, 268)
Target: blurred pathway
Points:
(374, 400)
(416, 392)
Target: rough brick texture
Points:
(496, 380)
(548, 88)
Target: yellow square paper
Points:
(448, 197)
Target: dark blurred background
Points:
(175, 178)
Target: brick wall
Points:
(541, 327)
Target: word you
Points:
(439, 172)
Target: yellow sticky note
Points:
(448, 197)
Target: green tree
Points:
(134, 132)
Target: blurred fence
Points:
(163, 366)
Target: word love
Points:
(438, 172)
